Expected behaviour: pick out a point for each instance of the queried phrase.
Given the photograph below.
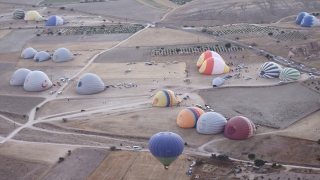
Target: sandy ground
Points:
(163, 36)
(119, 9)
(125, 55)
(139, 165)
(19, 105)
(16, 40)
(79, 165)
(6, 127)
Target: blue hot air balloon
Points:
(166, 147)
(310, 21)
(55, 21)
(300, 17)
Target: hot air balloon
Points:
(205, 55)
(31, 15)
(18, 14)
(55, 21)
(310, 21)
(239, 127)
(300, 17)
(211, 123)
(19, 76)
(62, 55)
(188, 117)
(28, 53)
(37, 81)
(218, 81)
(90, 83)
(289, 74)
(165, 98)
(166, 147)
(214, 66)
(269, 70)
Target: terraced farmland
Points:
(192, 49)
(254, 30)
(89, 30)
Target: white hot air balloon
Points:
(90, 84)
(62, 55)
(37, 81)
(19, 76)
(211, 123)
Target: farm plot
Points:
(16, 40)
(18, 105)
(58, 1)
(192, 49)
(155, 4)
(86, 30)
(79, 165)
(254, 31)
(125, 55)
(139, 165)
(6, 127)
(279, 110)
(180, 2)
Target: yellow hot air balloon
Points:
(165, 98)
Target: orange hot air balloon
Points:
(188, 117)
(214, 66)
(205, 55)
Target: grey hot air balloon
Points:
(270, 70)
(18, 14)
(90, 84)
(211, 123)
(37, 81)
(41, 56)
(62, 55)
(28, 53)
(19, 76)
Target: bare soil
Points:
(32, 2)
(139, 165)
(116, 55)
(118, 9)
(6, 127)
(270, 111)
(16, 40)
(163, 36)
(79, 165)
(18, 105)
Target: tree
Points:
(318, 141)
(62, 8)
(251, 156)
(37, 108)
(270, 33)
(64, 119)
(228, 45)
(274, 165)
(259, 162)
(112, 148)
(185, 143)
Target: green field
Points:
(58, 1)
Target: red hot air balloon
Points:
(239, 128)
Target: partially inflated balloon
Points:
(205, 55)
(214, 66)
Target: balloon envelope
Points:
(239, 127)
(188, 117)
(166, 147)
(310, 21)
(289, 74)
(165, 98)
(300, 17)
(214, 66)
(269, 70)
(205, 55)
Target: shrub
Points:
(64, 119)
(251, 156)
(185, 143)
(228, 45)
(61, 159)
(62, 8)
(113, 148)
(274, 165)
(37, 108)
(318, 158)
(71, 9)
(213, 155)
(270, 33)
(185, 26)
(223, 156)
(282, 32)
(318, 141)
(199, 162)
(204, 30)
(59, 33)
(38, 34)
(259, 162)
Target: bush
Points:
(62, 8)
(185, 143)
(213, 155)
(64, 119)
(199, 162)
(37, 108)
(61, 159)
(223, 156)
(228, 45)
(71, 9)
(251, 156)
(318, 158)
(274, 165)
(204, 30)
(113, 148)
(318, 141)
(259, 162)
(185, 26)
(270, 33)
(59, 33)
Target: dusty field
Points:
(204, 12)
(119, 9)
(125, 55)
(155, 4)
(32, 2)
(16, 40)
(272, 111)
(269, 147)
(14, 168)
(163, 36)
(139, 165)
(308, 128)
(15, 117)
(3, 33)
(6, 127)
(18, 105)
(79, 165)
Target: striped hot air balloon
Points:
(205, 55)
(188, 117)
(214, 66)
(289, 74)
(165, 98)
(269, 70)
(211, 123)
(239, 127)
(18, 14)
(166, 147)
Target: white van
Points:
(136, 147)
